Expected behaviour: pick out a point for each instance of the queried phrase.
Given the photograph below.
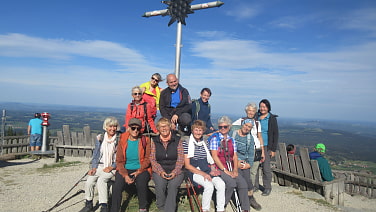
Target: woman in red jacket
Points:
(141, 110)
(132, 165)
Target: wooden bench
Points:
(304, 174)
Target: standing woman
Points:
(256, 132)
(152, 92)
(270, 135)
(141, 110)
(103, 165)
(167, 160)
(132, 161)
(202, 168)
(223, 150)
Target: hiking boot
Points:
(88, 207)
(254, 204)
(104, 208)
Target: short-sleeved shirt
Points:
(36, 126)
(215, 141)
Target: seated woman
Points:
(198, 161)
(141, 110)
(103, 165)
(223, 150)
(246, 153)
(132, 161)
(152, 92)
(167, 160)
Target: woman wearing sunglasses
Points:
(223, 149)
(152, 92)
(141, 110)
(167, 160)
(133, 165)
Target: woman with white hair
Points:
(103, 165)
(256, 132)
(223, 149)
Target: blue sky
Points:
(311, 59)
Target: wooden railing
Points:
(20, 144)
(358, 183)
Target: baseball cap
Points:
(320, 147)
(134, 121)
(245, 121)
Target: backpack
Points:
(147, 126)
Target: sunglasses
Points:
(136, 94)
(222, 127)
(157, 80)
(135, 128)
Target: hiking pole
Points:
(189, 196)
(237, 202)
(195, 197)
(58, 202)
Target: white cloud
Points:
(19, 45)
(243, 10)
(362, 19)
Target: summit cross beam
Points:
(178, 10)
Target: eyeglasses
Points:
(136, 94)
(157, 80)
(223, 127)
(135, 128)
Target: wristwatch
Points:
(224, 169)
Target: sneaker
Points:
(88, 207)
(254, 204)
(266, 192)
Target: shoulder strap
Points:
(143, 141)
(234, 134)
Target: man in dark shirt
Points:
(175, 104)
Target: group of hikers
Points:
(182, 144)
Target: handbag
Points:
(258, 153)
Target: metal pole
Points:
(3, 131)
(178, 50)
(44, 144)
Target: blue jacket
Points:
(97, 154)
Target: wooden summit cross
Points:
(179, 10)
